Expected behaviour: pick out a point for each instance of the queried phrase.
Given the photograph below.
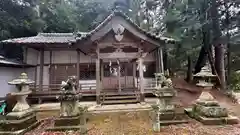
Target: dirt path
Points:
(188, 93)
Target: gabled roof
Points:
(128, 19)
(65, 38)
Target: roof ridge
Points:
(55, 34)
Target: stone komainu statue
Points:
(69, 97)
(70, 84)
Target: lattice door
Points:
(61, 73)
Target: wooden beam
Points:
(78, 67)
(41, 69)
(141, 82)
(98, 83)
(116, 55)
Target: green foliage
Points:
(235, 81)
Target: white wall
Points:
(8, 74)
(45, 75)
(32, 56)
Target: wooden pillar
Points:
(98, 83)
(50, 67)
(35, 78)
(25, 53)
(119, 78)
(161, 60)
(157, 61)
(134, 74)
(141, 82)
(78, 68)
(41, 69)
(102, 73)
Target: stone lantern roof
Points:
(23, 79)
(205, 72)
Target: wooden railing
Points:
(57, 87)
(149, 84)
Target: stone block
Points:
(218, 121)
(14, 125)
(208, 103)
(212, 121)
(210, 111)
(18, 126)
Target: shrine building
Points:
(117, 57)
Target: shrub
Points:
(235, 81)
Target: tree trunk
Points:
(189, 73)
(219, 48)
(220, 64)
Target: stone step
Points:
(120, 97)
(172, 122)
(108, 102)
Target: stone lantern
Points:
(206, 109)
(205, 77)
(22, 118)
(22, 84)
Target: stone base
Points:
(20, 125)
(142, 97)
(82, 129)
(170, 118)
(212, 121)
(98, 99)
(19, 115)
(210, 111)
(69, 123)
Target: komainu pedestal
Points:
(22, 118)
(165, 112)
(206, 109)
(71, 118)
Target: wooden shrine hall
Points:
(116, 58)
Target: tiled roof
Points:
(7, 62)
(73, 37)
(45, 38)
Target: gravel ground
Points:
(131, 124)
(142, 127)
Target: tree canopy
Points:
(197, 24)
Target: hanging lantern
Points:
(114, 70)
